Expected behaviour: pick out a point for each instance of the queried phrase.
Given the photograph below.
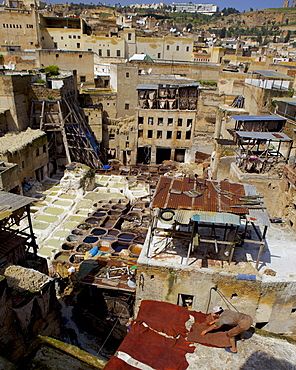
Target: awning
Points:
(273, 74)
(218, 218)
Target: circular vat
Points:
(114, 213)
(72, 238)
(84, 227)
(126, 237)
(98, 232)
(76, 259)
(118, 247)
(113, 232)
(77, 232)
(62, 256)
(99, 214)
(83, 248)
(68, 246)
(92, 221)
(110, 238)
(135, 249)
(105, 246)
(90, 239)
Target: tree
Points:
(223, 33)
(53, 70)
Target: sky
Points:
(239, 5)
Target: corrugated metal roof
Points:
(218, 218)
(274, 136)
(215, 196)
(257, 216)
(13, 201)
(273, 74)
(258, 118)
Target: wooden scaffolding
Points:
(63, 121)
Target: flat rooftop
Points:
(276, 262)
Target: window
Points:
(126, 106)
(89, 49)
(140, 120)
(178, 135)
(37, 152)
(150, 134)
(185, 300)
(150, 120)
(180, 121)
(23, 164)
(189, 122)
(70, 36)
(57, 55)
(187, 48)
(44, 148)
(127, 75)
(129, 36)
(188, 135)
(80, 55)
(111, 136)
(140, 133)
(78, 45)
(177, 48)
(82, 78)
(160, 121)
(108, 52)
(169, 134)
(28, 25)
(159, 134)
(31, 43)
(170, 121)
(74, 36)
(127, 144)
(168, 47)
(158, 55)
(62, 38)
(78, 37)
(118, 53)
(100, 52)
(55, 45)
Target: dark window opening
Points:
(111, 136)
(44, 148)
(127, 75)
(188, 135)
(140, 133)
(150, 134)
(140, 120)
(180, 155)
(160, 121)
(178, 135)
(260, 325)
(158, 55)
(126, 106)
(150, 120)
(129, 36)
(78, 45)
(180, 121)
(162, 154)
(37, 152)
(108, 53)
(159, 134)
(82, 78)
(170, 121)
(185, 300)
(189, 122)
(169, 134)
(118, 53)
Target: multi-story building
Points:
(166, 118)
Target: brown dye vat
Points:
(83, 248)
(140, 239)
(135, 250)
(113, 232)
(76, 259)
(93, 221)
(114, 213)
(84, 227)
(109, 223)
(118, 207)
(68, 246)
